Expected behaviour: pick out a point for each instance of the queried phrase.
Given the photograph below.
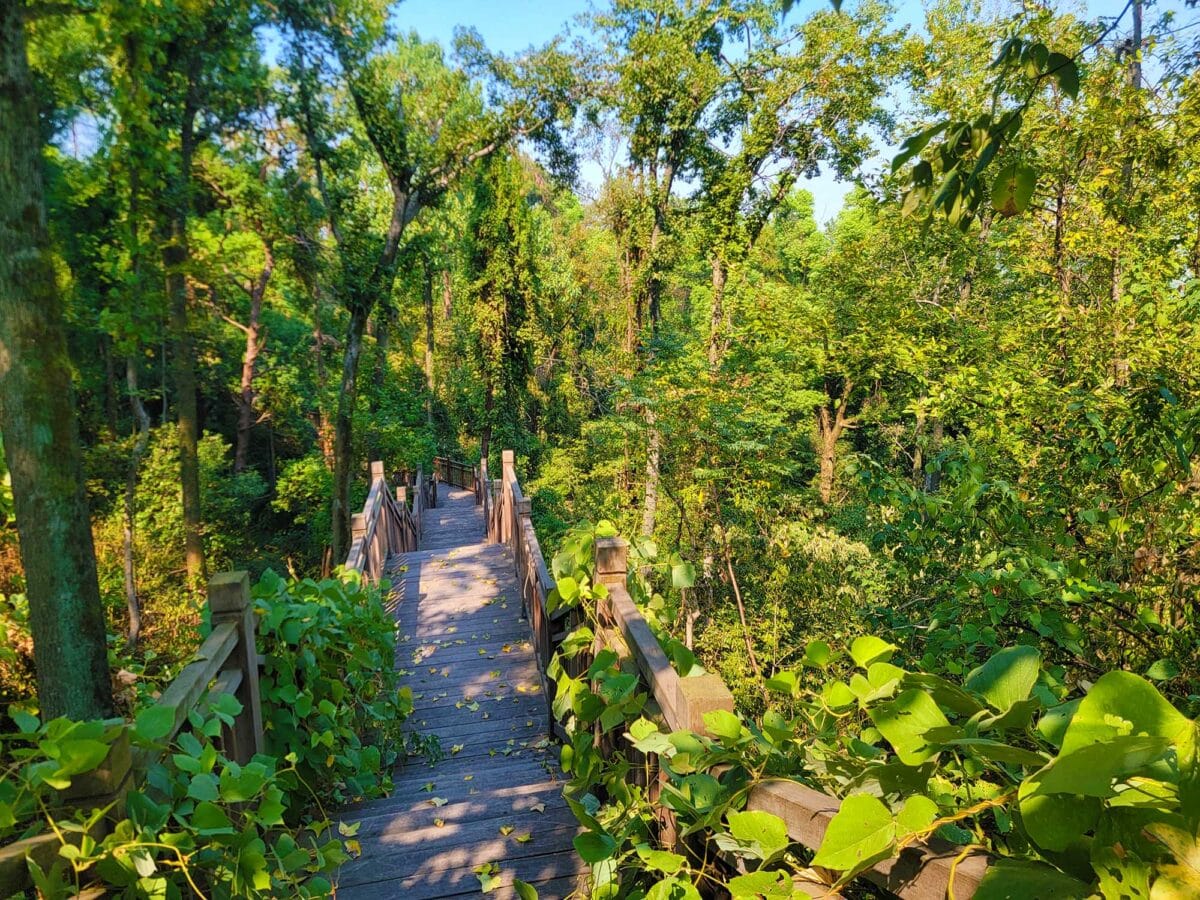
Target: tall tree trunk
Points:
(447, 295)
(653, 451)
(183, 352)
(142, 420)
(247, 415)
(933, 478)
(429, 336)
(343, 431)
(720, 275)
(485, 436)
(38, 416)
(832, 421)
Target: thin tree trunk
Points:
(429, 335)
(38, 416)
(831, 423)
(183, 358)
(343, 431)
(653, 450)
(720, 275)
(142, 420)
(485, 438)
(247, 415)
(447, 295)
(933, 478)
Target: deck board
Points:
(465, 652)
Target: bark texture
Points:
(38, 416)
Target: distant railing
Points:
(226, 663)
(921, 872)
(459, 474)
(387, 524)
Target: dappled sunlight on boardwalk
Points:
(495, 794)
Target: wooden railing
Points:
(226, 663)
(922, 872)
(387, 524)
(460, 474)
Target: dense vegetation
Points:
(245, 248)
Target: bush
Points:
(200, 824)
(330, 689)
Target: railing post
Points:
(507, 475)
(229, 601)
(612, 560)
(358, 526)
(376, 471)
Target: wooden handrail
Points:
(225, 663)
(387, 524)
(922, 872)
(457, 473)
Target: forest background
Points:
(959, 413)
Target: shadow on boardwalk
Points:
(495, 795)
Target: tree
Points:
(422, 126)
(37, 414)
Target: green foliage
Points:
(200, 823)
(1075, 794)
(331, 694)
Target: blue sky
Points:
(510, 26)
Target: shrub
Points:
(200, 824)
(330, 689)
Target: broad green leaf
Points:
(1055, 822)
(916, 815)
(1063, 70)
(1007, 677)
(817, 653)
(1123, 703)
(1091, 769)
(1013, 879)
(210, 819)
(683, 575)
(1012, 189)
(595, 846)
(862, 833)
(760, 829)
(524, 891)
(764, 883)
(868, 649)
(661, 860)
(723, 724)
(905, 720)
(1163, 670)
(154, 722)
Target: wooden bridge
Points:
(469, 591)
(493, 800)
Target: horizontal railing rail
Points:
(387, 524)
(924, 871)
(457, 473)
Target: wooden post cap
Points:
(376, 470)
(229, 592)
(508, 457)
(611, 560)
(402, 494)
(358, 525)
(698, 695)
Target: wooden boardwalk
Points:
(494, 798)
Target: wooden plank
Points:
(453, 597)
